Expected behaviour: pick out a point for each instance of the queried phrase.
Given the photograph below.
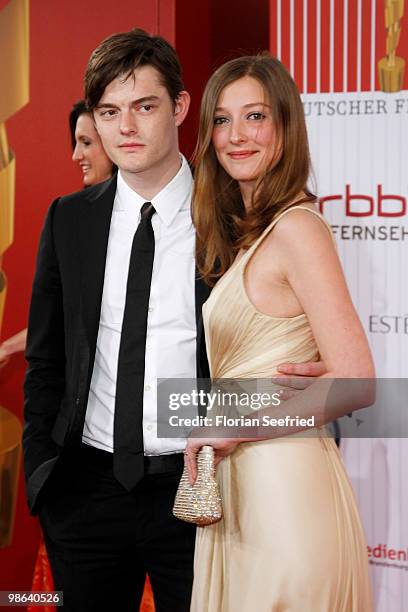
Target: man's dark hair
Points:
(78, 109)
(120, 54)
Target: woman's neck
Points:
(247, 191)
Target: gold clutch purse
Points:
(199, 503)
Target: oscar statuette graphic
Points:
(14, 79)
(391, 68)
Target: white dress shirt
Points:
(171, 323)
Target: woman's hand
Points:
(4, 356)
(15, 344)
(222, 448)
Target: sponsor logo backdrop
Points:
(347, 58)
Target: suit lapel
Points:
(94, 229)
(202, 291)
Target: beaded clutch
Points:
(199, 503)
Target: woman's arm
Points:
(312, 268)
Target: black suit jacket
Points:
(63, 328)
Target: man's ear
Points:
(94, 120)
(181, 107)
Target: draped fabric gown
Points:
(291, 539)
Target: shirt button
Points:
(149, 428)
(151, 308)
(147, 387)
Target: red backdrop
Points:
(62, 35)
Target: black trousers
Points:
(101, 540)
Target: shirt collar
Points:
(175, 196)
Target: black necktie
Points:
(128, 457)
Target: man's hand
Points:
(222, 448)
(296, 377)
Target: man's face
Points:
(137, 122)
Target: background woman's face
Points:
(89, 152)
(244, 136)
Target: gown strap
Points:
(268, 229)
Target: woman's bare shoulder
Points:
(303, 223)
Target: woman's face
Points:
(244, 136)
(89, 152)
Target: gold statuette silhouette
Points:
(14, 95)
(391, 68)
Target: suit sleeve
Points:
(45, 378)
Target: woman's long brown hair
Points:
(219, 216)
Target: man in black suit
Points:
(116, 305)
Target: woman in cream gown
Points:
(290, 539)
